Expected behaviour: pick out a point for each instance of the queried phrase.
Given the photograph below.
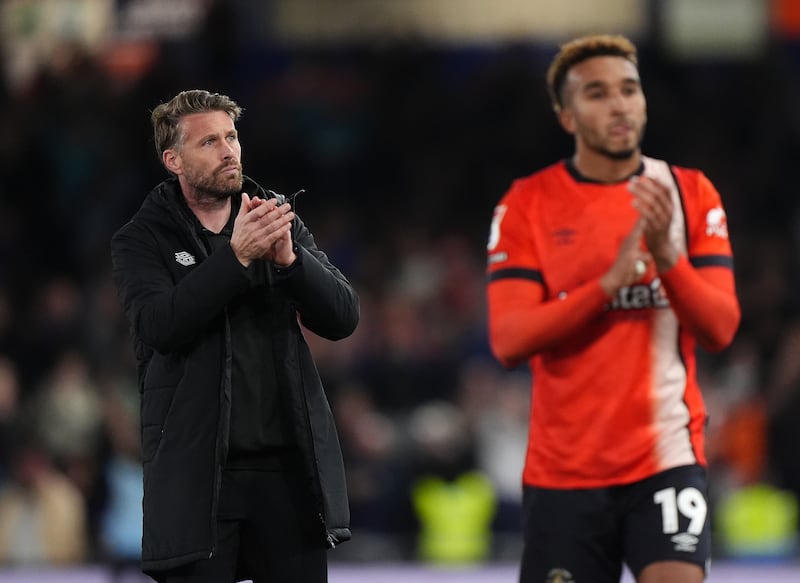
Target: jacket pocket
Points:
(164, 370)
(164, 374)
(156, 405)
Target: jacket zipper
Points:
(331, 540)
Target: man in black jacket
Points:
(243, 474)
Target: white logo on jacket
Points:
(185, 258)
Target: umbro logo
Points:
(185, 258)
(565, 236)
(685, 542)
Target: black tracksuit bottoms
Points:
(267, 528)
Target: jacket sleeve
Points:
(325, 300)
(163, 313)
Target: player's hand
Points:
(653, 200)
(631, 263)
(260, 229)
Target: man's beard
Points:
(617, 155)
(216, 186)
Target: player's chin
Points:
(620, 153)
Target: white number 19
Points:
(689, 502)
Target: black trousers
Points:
(267, 529)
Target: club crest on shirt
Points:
(717, 223)
(559, 576)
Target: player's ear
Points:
(172, 161)
(566, 119)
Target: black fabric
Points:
(587, 534)
(578, 177)
(712, 261)
(517, 273)
(257, 410)
(251, 503)
(175, 294)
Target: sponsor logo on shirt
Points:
(641, 296)
(185, 258)
(717, 223)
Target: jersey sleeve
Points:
(511, 249)
(708, 241)
(702, 287)
(522, 320)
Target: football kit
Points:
(615, 399)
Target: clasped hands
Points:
(649, 241)
(263, 230)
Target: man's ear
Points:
(172, 161)
(566, 120)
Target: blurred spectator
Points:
(758, 523)
(42, 517)
(67, 412)
(372, 447)
(121, 522)
(9, 410)
(51, 325)
(782, 401)
(454, 502)
(496, 404)
(66, 416)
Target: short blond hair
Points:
(166, 118)
(578, 50)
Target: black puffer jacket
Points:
(174, 295)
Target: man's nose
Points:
(619, 102)
(228, 151)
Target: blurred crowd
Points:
(403, 149)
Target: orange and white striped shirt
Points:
(615, 395)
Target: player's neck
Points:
(602, 168)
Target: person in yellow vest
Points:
(758, 521)
(455, 518)
(453, 502)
